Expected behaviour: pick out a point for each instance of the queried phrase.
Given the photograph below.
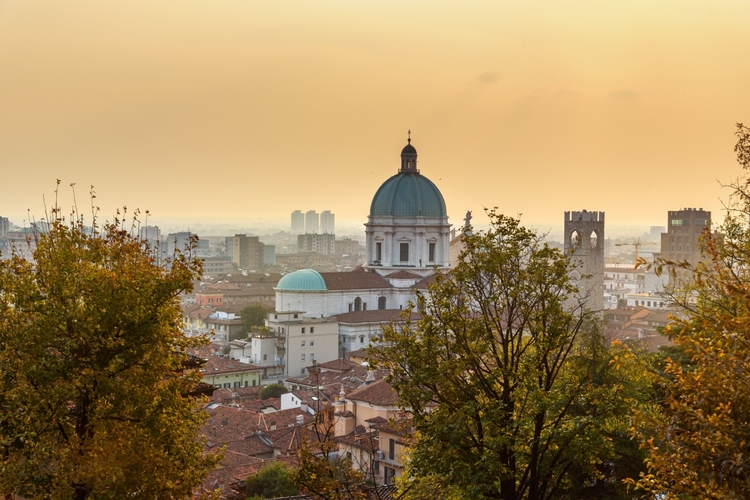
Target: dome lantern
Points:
(409, 157)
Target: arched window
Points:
(575, 239)
(381, 302)
(357, 304)
(361, 339)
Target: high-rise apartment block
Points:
(4, 227)
(150, 233)
(327, 222)
(298, 222)
(312, 222)
(181, 242)
(681, 241)
(322, 243)
(247, 252)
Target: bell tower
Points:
(584, 242)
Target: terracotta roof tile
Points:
(339, 365)
(220, 364)
(354, 280)
(378, 393)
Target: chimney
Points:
(300, 419)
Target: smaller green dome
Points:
(304, 280)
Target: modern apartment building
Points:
(327, 222)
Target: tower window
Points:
(432, 252)
(357, 304)
(404, 252)
(378, 251)
(381, 302)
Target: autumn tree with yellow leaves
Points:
(702, 449)
(94, 398)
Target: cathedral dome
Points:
(304, 280)
(408, 194)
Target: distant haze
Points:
(244, 109)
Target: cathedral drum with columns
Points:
(407, 229)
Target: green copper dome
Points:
(408, 194)
(304, 280)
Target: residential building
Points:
(215, 266)
(312, 222)
(327, 222)
(322, 243)
(247, 252)
(347, 246)
(269, 255)
(4, 227)
(298, 222)
(301, 340)
(178, 242)
(221, 371)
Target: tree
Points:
(93, 391)
(272, 391)
(324, 474)
(253, 315)
(271, 481)
(702, 448)
(511, 388)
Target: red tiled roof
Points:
(354, 280)
(221, 286)
(219, 364)
(340, 365)
(378, 393)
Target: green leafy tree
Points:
(322, 473)
(93, 395)
(252, 316)
(271, 481)
(272, 391)
(702, 449)
(512, 390)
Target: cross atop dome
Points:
(409, 157)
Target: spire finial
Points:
(409, 137)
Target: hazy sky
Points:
(246, 108)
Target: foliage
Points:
(92, 387)
(512, 390)
(253, 315)
(323, 473)
(272, 391)
(271, 481)
(703, 448)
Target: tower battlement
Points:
(584, 216)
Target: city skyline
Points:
(228, 111)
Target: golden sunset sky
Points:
(246, 108)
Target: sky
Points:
(235, 109)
